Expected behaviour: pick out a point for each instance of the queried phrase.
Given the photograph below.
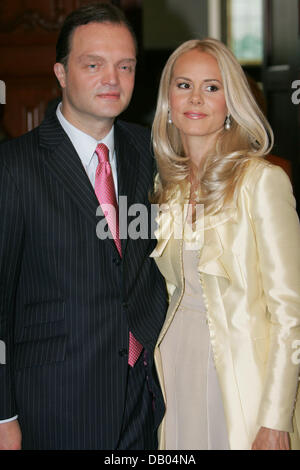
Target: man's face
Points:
(99, 79)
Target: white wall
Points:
(214, 19)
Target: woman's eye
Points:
(183, 85)
(212, 88)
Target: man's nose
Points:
(110, 76)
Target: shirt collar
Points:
(84, 144)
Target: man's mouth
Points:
(109, 96)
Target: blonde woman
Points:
(228, 354)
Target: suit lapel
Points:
(128, 168)
(64, 163)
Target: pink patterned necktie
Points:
(105, 192)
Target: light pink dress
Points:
(195, 415)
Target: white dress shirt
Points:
(85, 146)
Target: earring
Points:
(227, 125)
(169, 117)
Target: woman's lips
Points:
(192, 115)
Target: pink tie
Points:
(105, 192)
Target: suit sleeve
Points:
(277, 232)
(11, 240)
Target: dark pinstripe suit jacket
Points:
(67, 301)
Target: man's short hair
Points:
(94, 13)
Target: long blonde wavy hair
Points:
(249, 137)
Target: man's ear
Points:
(60, 73)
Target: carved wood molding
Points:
(32, 19)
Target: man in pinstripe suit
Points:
(67, 298)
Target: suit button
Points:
(125, 305)
(123, 352)
(117, 261)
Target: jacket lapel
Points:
(64, 163)
(128, 169)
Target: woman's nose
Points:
(196, 98)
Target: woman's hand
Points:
(270, 439)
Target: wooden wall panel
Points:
(28, 34)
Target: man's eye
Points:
(92, 66)
(127, 68)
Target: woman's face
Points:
(196, 98)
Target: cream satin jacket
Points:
(249, 267)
